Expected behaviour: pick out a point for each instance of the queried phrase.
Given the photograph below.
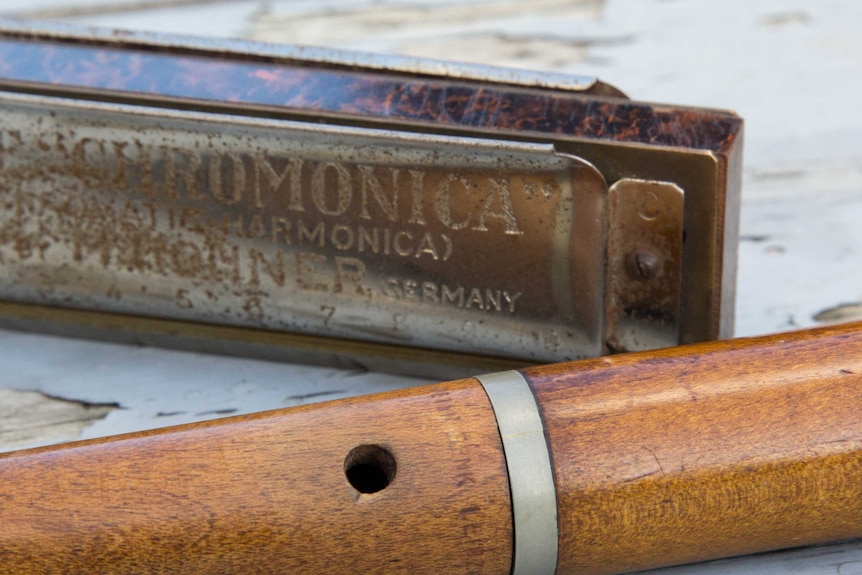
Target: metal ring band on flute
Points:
(531, 479)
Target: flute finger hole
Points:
(369, 468)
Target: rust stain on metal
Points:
(181, 181)
(286, 88)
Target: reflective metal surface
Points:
(531, 475)
(481, 246)
(316, 55)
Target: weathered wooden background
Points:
(792, 68)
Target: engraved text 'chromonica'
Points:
(269, 223)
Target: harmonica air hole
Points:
(369, 468)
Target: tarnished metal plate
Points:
(323, 56)
(465, 244)
(644, 266)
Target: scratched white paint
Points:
(56, 9)
(32, 418)
(843, 559)
(157, 388)
(222, 19)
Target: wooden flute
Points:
(600, 466)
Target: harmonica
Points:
(334, 207)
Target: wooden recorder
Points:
(594, 467)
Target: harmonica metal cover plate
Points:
(484, 246)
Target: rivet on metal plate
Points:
(644, 270)
(422, 218)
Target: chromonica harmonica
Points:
(298, 202)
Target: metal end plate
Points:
(644, 266)
(531, 478)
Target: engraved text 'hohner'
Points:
(283, 194)
(258, 224)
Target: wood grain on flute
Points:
(658, 458)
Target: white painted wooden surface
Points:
(792, 68)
